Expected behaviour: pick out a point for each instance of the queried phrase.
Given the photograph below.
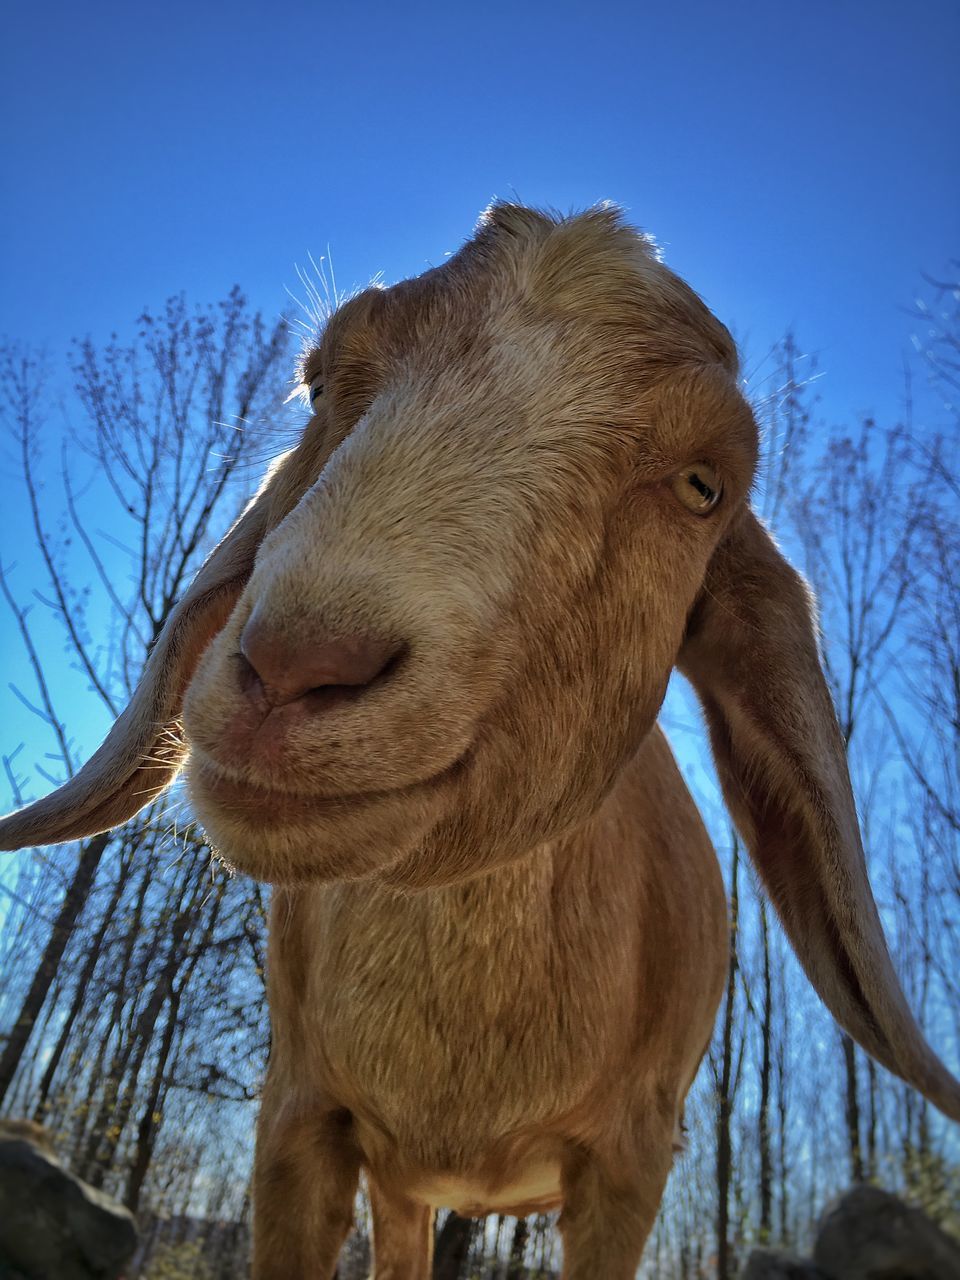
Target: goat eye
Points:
(316, 391)
(698, 487)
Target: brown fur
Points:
(498, 940)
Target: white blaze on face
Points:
(422, 520)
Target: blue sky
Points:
(797, 162)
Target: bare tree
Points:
(726, 1069)
(858, 525)
(164, 446)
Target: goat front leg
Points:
(610, 1205)
(305, 1176)
(402, 1235)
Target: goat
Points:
(416, 689)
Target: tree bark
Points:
(451, 1248)
(724, 1099)
(766, 1159)
(518, 1247)
(93, 955)
(73, 904)
(149, 1118)
(852, 1109)
(104, 1143)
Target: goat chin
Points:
(429, 655)
(287, 838)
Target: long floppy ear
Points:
(144, 750)
(751, 653)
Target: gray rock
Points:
(870, 1234)
(52, 1225)
(10, 1273)
(770, 1264)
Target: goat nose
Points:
(289, 666)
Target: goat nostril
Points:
(289, 667)
(247, 677)
(350, 660)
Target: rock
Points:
(870, 1234)
(52, 1225)
(770, 1264)
(29, 1130)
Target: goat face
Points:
(449, 615)
(478, 570)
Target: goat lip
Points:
(259, 803)
(255, 797)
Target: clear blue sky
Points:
(799, 162)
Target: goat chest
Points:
(469, 1026)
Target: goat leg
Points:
(305, 1177)
(610, 1205)
(402, 1236)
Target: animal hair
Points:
(416, 688)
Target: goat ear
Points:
(144, 750)
(751, 653)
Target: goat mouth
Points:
(253, 799)
(257, 805)
(297, 838)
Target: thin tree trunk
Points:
(149, 1118)
(852, 1109)
(73, 903)
(93, 955)
(452, 1247)
(106, 1145)
(724, 1100)
(518, 1247)
(871, 1163)
(766, 1160)
(87, 1163)
(782, 1160)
